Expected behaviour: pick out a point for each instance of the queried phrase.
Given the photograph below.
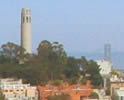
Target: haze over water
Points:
(117, 58)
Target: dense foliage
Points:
(94, 95)
(59, 97)
(51, 63)
(1, 96)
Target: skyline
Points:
(81, 26)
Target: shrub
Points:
(59, 97)
(94, 95)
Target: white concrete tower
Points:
(26, 30)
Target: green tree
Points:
(94, 71)
(53, 56)
(4, 59)
(50, 64)
(59, 97)
(1, 96)
(94, 95)
(44, 49)
(14, 52)
(11, 50)
(72, 70)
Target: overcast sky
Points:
(80, 25)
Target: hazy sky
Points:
(80, 25)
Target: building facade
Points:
(107, 52)
(118, 94)
(13, 89)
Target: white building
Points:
(118, 94)
(13, 89)
(106, 67)
(115, 78)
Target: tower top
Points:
(26, 11)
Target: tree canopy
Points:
(51, 63)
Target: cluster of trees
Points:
(94, 95)
(1, 96)
(59, 97)
(50, 64)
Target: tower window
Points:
(23, 19)
(27, 19)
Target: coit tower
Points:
(26, 30)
